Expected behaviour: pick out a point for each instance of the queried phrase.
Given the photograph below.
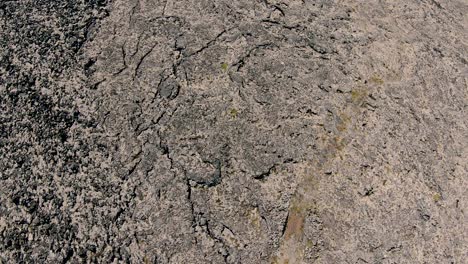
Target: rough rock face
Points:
(241, 131)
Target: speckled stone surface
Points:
(244, 131)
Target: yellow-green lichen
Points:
(344, 120)
(358, 95)
(254, 217)
(376, 80)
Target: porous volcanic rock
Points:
(249, 131)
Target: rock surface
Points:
(244, 131)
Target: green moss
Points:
(233, 112)
(224, 66)
(309, 243)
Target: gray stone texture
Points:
(248, 131)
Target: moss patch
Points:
(224, 66)
(233, 112)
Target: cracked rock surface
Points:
(265, 131)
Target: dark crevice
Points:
(277, 23)
(124, 67)
(241, 61)
(266, 174)
(209, 44)
(285, 224)
(219, 240)
(215, 179)
(137, 68)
